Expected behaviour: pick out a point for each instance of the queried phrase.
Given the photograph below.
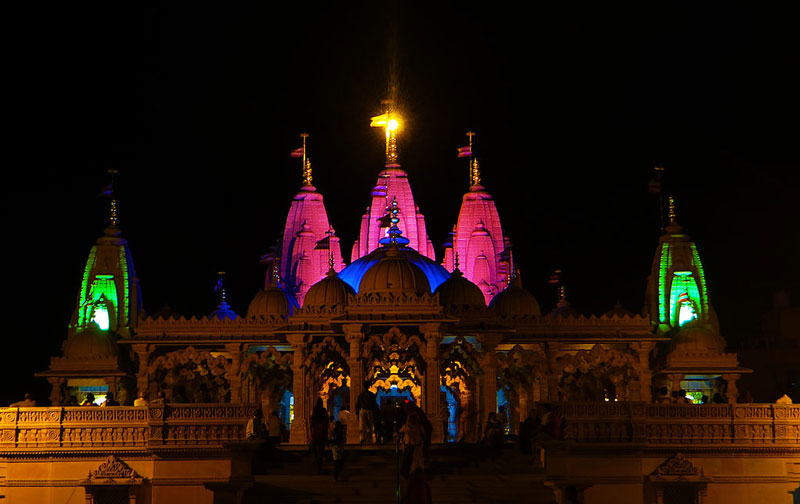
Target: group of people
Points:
(542, 425)
(273, 429)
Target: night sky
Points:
(199, 110)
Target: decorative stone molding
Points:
(677, 466)
(113, 468)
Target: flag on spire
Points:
(465, 151)
(298, 152)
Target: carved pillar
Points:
(523, 403)
(554, 376)
(299, 430)
(113, 385)
(143, 352)
(57, 390)
(645, 375)
(433, 380)
(235, 372)
(676, 386)
(733, 391)
(489, 343)
(354, 333)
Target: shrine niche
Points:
(521, 374)
(393, 361)
(327, 371)
(599, 374)
(190, 375)
(265, 377)
(112, 482)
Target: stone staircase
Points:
(458, 474)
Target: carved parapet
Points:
(679, 424)
(157, 424)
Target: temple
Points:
(462, 338)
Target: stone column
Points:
(554, 374)
(354, 333)
(433, 380)
(235, 372)
(733, 391)
(676, 385)
(299, 430)
(645, 375)
(143, 352)
(57, 390)
(523, 403)
(113, 385)
(489, 343)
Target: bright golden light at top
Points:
(393, 124)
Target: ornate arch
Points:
(327, 368)
(521, 367)
(460, 366)
(584, 375)
(394, 358)
(197, 374)
(268, 372)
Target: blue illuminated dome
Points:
(435, 273)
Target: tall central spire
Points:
(392, 185)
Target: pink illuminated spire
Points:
(483, 252)
(308, 238)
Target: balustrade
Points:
(155, 425)
(678, 424)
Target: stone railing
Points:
(671, 424)
(157, 425)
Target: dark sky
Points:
(199, 107)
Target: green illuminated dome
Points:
(458, 293)
(676, 288)
(330, 292)
(271, 302)
(694, 338)
(90, 343)
(395, 274)
(515, 301)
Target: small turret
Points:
(676, 288)
(109, 293)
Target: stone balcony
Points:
(653, 425)
(123, 428)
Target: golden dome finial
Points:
(476, 173)
(306, 162)
(390, 121)
(109, 191)
(672, 215)
(307, 172)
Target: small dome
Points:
(459, 293)
(90, 343)
(515, 301)
(271, 302)
(563, 309)
(354, 273)
(329, 292)
(619, 311)
(695, 337)
(396, 274)
(223, 311)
